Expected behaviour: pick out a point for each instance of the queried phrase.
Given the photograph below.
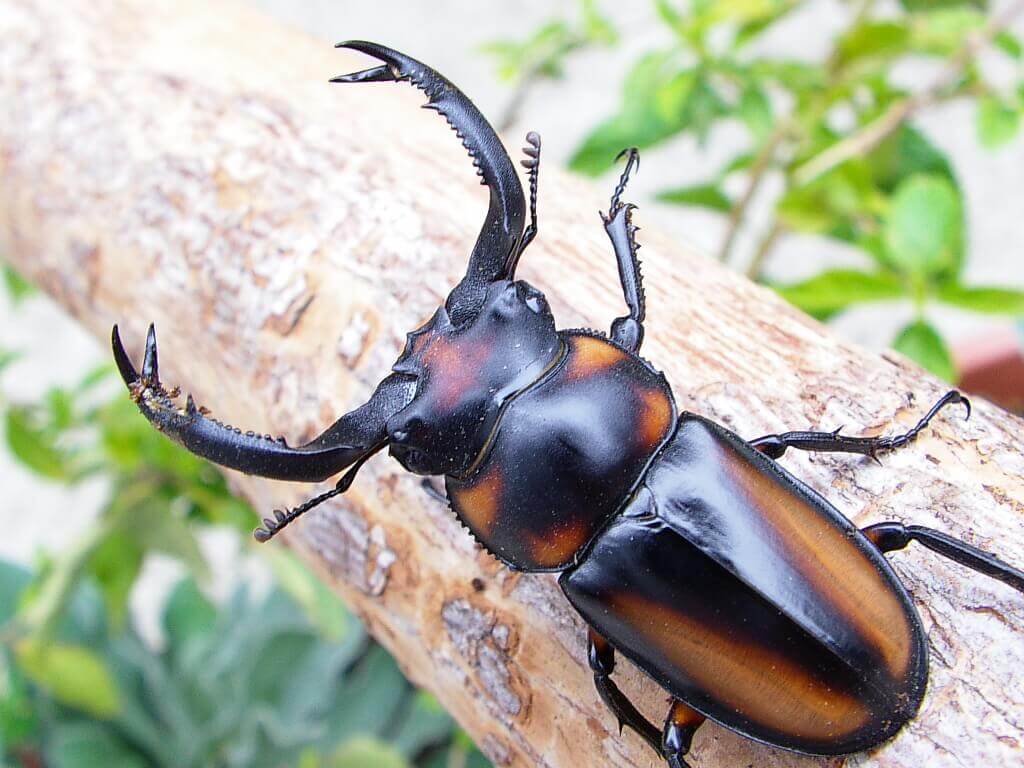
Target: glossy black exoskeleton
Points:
(737, 588)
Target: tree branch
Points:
(162, 162)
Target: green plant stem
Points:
(764, 248)
(871, 135)
(758, 169)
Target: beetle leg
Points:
(892, 536)
(774, 446)
(680, 725)
(618, 223)
(601, 656)
(351, 439)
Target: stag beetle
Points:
(750, 598)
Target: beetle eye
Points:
(402, 432)
(536, 303)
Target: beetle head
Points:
(465, 374)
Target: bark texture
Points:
(189, 164)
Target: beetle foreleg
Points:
(680, 725)
(774, 446)
(601, 656)
(892, 536)
(629, 329)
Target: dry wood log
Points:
(189, 164)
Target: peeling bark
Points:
(165, 161)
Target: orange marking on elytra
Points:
(761, 683)
(831, 562)
(589, 355)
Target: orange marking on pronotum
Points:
(589, 355)
(761, 683)
(556, 546)
(654, 418)
(480, 501)
(454, 368)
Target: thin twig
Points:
(875, 132)
(757, 171)
(764, 248)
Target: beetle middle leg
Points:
(891, 536)
(774, 446)
(680, 725)
(601, 656)
(629, 329)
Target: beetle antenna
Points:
(532, 164)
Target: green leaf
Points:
(155, 525)
(928, 5)
(116, 563)
(837, 289)
(596, 27)
(1009, 44)
(699, 195)
(72, 674)
(923, 230)
(424, 725)
(755, 110)
(987, 300)
(906, 153)
(7, 357)
(34, 447)
(944, 31)
(873, 40)
(997, 122)
(18, 287)
(13, 581)
(659, 101)
(831, 203)
(89, 745)
(921, 343)
(187, 615)
(19, 718)
(322, 607)
(364, 752)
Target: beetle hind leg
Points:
(680, 725)
(602, 662)
(773, 446)
(892, 536)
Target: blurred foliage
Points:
(253, 683)
(838, 136)
(70, 435)
(287, 679)
(541, 55)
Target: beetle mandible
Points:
(746, 595)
